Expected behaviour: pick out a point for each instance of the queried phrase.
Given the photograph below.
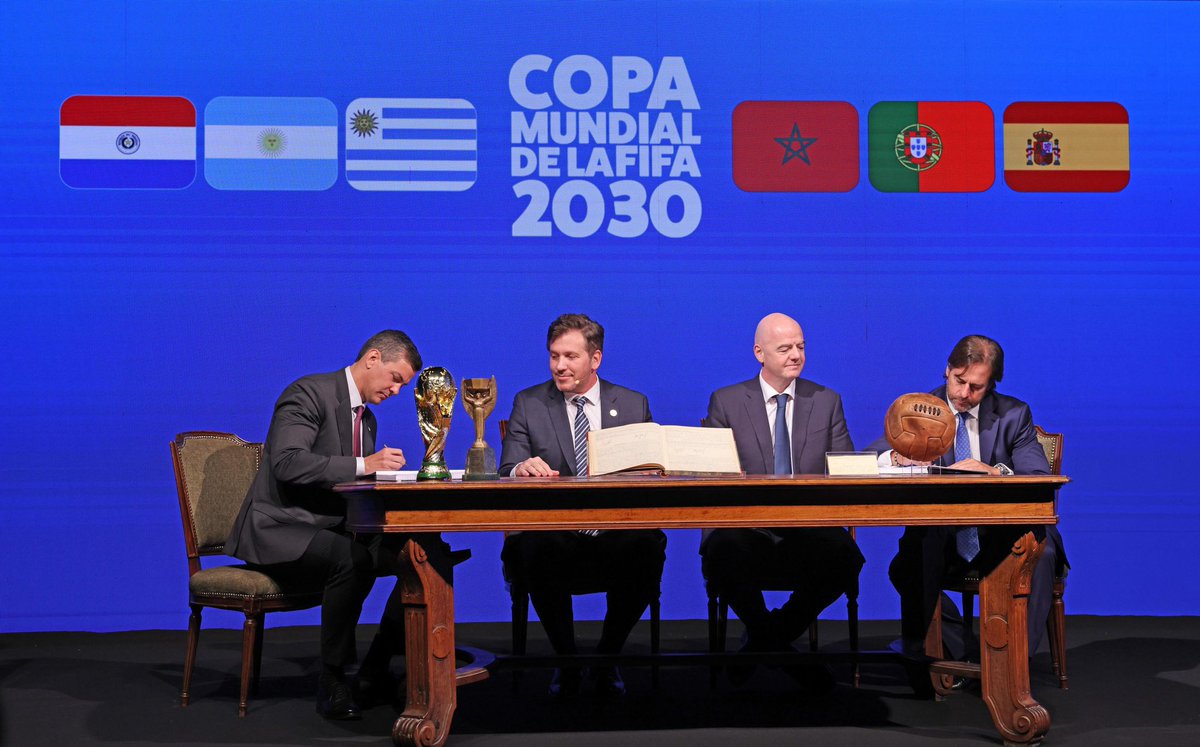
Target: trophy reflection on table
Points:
(435, 393)
(479, 399)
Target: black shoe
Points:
(375, 687)
(335, 700)
(608, 682)
(565, 683)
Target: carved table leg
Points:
(1003, 614)
(428, 597)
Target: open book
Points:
(670, 449)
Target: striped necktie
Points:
(966, 540)
(581, 454)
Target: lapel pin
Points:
(612, 413)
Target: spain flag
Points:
(1070, 146)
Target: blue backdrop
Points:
(130, 315)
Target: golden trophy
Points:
(435, 393)
(479, 399)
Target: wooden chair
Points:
(1056, 625)
(778, 580)
(213, 472)
(518, 590)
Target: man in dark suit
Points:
(782, 424)
(995, 434)
(293, 524)
(547, 437)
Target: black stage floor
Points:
(1134, 681)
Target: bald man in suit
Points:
(782, 424)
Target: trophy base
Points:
(431, 470)
(481, 464)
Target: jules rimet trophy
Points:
(435, 393)
(479, 399)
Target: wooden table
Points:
(633, 502)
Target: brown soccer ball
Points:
(920, 426)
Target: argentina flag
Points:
(412, 145)
(267, 143)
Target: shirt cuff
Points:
(885, 459)
(360, 468)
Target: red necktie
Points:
(358, 415)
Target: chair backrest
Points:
(1052, 444)
(213, 473)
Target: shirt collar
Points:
(355, 397)
(768, 391)
(973, 412)
(593, 394)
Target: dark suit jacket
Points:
(1006, 436)
(818, 425)
(308, 449)
(538, 425)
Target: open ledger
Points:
(668, 449)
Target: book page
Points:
(625, 447)
(694, 449)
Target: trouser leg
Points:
(732, 559)
(824, 562)
(348, 571)
(632, 563)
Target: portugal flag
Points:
(1070, 146)
(931, 146)
(795, 146)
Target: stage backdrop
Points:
(204, 201)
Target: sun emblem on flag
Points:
(128, 142)
(364, 123)
(918, 147)
(272, 142)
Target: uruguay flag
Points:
(258, 143)
(412, 145)
(127, 142)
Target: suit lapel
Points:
(609, 412)
(556, 410)
(801, 410)
(987, 430)
(344, 415)
(756, 414)
(369, 426)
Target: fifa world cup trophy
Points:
(435, 393)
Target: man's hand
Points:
(899, 460)
(386, 458)
(975, 466)
(534, 467)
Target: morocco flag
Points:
(1066, 147)
(795, 146)
(931, 146)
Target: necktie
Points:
(966, 540)
(581, 455)
(358, 416)
(783, 444)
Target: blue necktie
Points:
(582, 426)
(783, 444)
(966, 540)
(581, 430)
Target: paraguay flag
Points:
(127, 142)
(931, 146)
(1068, 146)
(286, 143)
(411, 145)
